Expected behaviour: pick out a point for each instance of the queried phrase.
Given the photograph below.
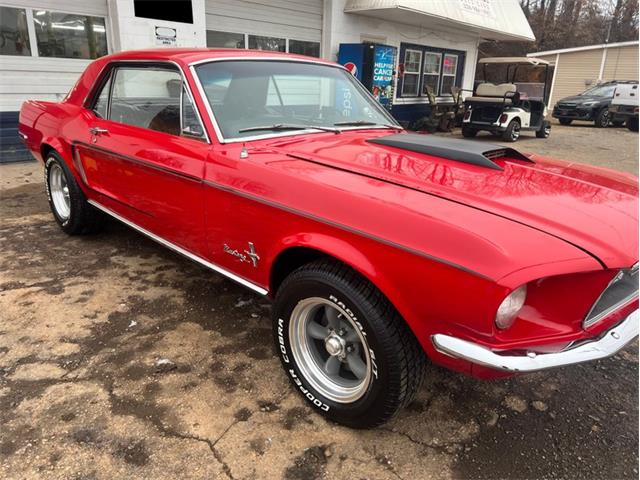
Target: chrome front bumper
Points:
(606, 345)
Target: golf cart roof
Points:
(514, 60)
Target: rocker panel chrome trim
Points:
(605, 346)
(181, 251)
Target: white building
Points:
(45, 44)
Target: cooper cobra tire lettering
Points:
(308, 395)
(283, 349)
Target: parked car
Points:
(518, 104)
(624, 106)
(592, 105)
(379, 248)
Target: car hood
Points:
(582, 99)
(592, 208)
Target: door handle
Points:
(98, 131)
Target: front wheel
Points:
(344, 347)
(512, 133)
(632, 124)
(468, 132)
(602, 119)
(544, 131)
(68, 204)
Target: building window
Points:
(267, 43)
(411, 76)
(449, 71)
(14, 36)
(224, 39)
(169, 10)
(311, 49)
(430, 68)
(431, 72)
(67, 35)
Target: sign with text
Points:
(384, 58)
(166, 36)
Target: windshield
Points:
(600, 91)
(249, 97)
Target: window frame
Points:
(109, 71)
(402, 98)
(286, 39)
(31, 30)
(439, 74)
(442, 74)
(418, 73)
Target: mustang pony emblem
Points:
(248, 256)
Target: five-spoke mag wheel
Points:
(330, 349)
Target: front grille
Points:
(567, 105)
(622, 289)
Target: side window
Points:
(191, 125)
(102, 102)
(148, 98)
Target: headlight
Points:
(510, 307)
(589, 104)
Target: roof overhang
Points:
(588, 47)
(514, 60)
(488, 20)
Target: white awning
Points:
(488, 19)
(514, 60)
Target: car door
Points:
(144, 152)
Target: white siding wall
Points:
(23, 78)
(299, 19)
(135, 33)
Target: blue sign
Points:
(383, 64)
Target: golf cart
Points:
(506, 109)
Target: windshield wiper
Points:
(287, 126)
(363, 123)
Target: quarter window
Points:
(102, 102)
(67, 35)
(411, 83)
(14, 35)
(431, 76)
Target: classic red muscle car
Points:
(381, 248)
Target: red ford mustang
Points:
(380, 248)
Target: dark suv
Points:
(592, 105)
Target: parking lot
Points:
(120, 359)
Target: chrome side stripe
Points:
(181, 251)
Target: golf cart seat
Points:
(490, 93)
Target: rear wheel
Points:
(512, 133)
(602, 119)
(565, 121)
(67, 202)
(632, 124)
(544, 131)
(343, 345)
(469, 132)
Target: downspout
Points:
(553, 79)
(602, 63)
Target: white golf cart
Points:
(506, 109)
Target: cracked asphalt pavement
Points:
(120, 359)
